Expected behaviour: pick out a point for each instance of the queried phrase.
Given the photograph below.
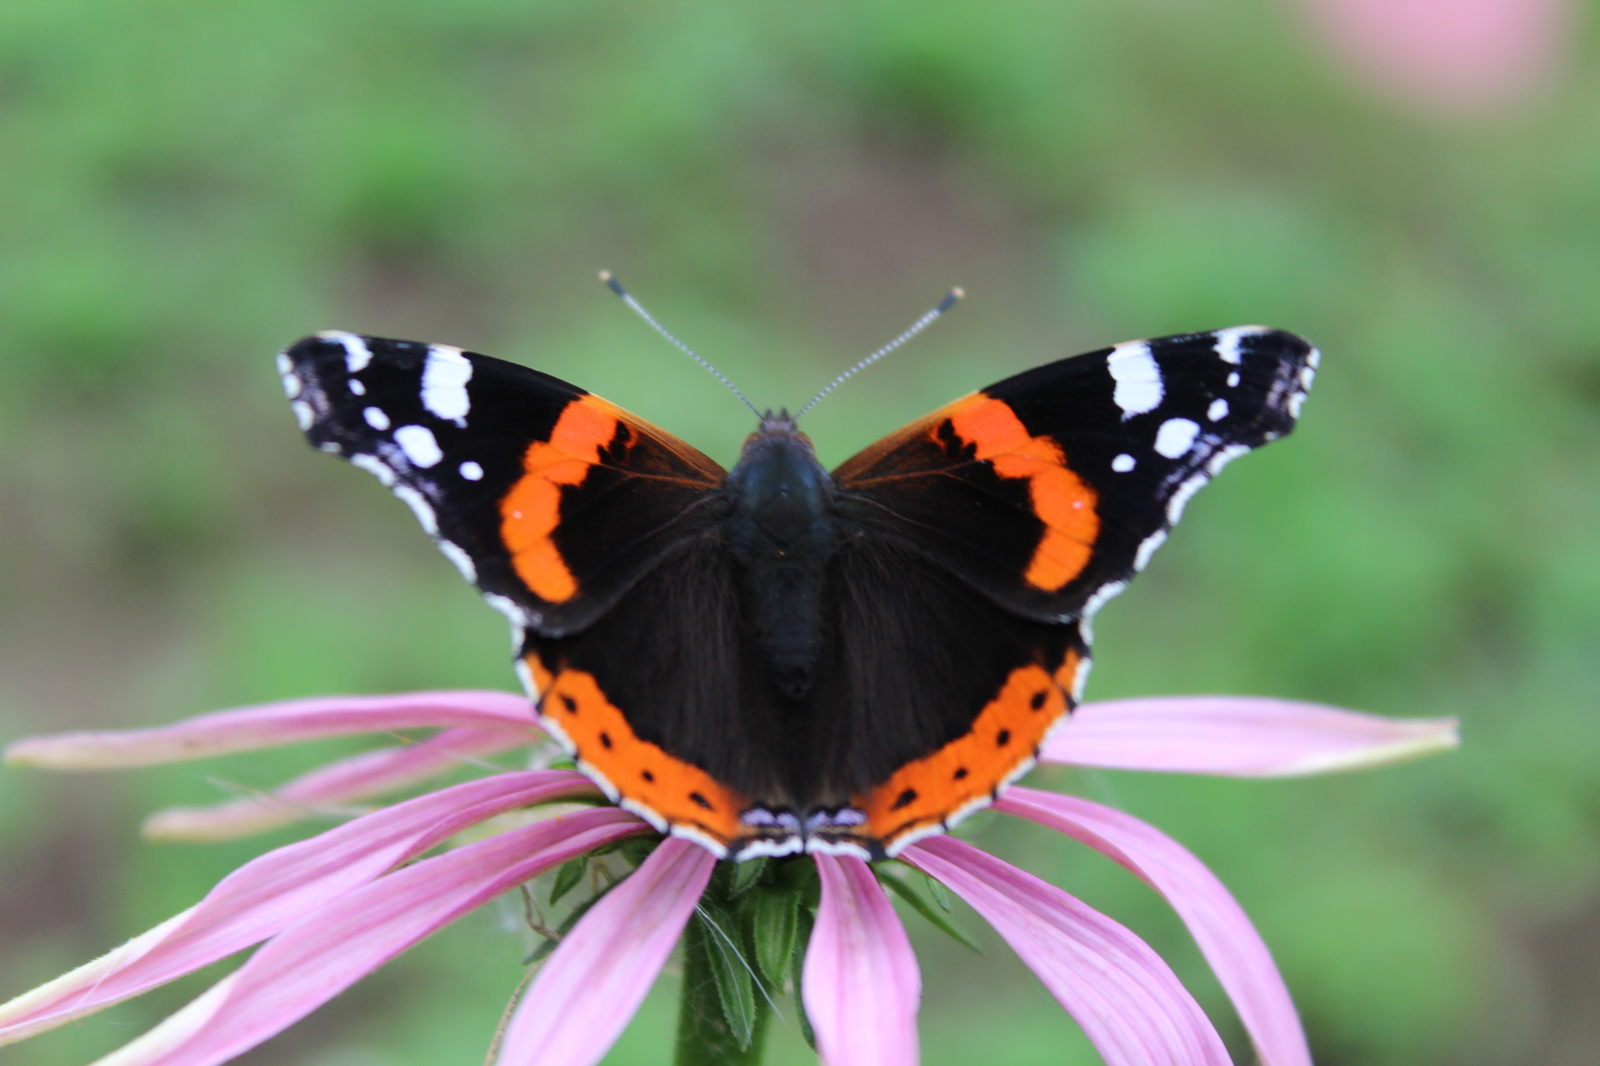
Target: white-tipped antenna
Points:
(616, 286)
(916, 327)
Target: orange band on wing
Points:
(966, 772)
(1067, 673)
(1061, 500)
(574, 707)
(531, 511)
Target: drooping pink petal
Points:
(270, 724)
(360, 777)
(1219, 925)
(323, 954)
(594, 982)
(269, 893)
(1239, 736)
(1130, 1004)
(861, 984)
(174, 1029)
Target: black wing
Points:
(1049, 490)
(551, 500)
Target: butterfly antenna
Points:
(616, 286)
(916, 327)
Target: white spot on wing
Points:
(782, 846)
(1097, 601)
(511, 609)
(1296, 402)
(1228, 342)
(374, 466)
(1123, 463)
(1138, 378)
(1218, 410)
(823, 846)
(419, 507)
(302, 414)
(525, 675)
(356, 388)
(419, 445)
(1314, 357)
(356, 353)
(1233, 380)
(444, 383)
(471, 471)
(291, 382)
(1079, 680)
(1226, 456)
(1148, 548)
(376, 418)
(1176, 436)
(453, 552)
(1181, 498)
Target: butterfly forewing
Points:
(1048, 490)
(494, 459)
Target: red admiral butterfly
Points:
(777, 658)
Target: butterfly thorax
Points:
(782, 533)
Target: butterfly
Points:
(778, 658)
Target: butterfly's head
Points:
(778, 458)
(776, 433)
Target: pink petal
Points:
(314, 960)
(1219, 925)
(269, 893)
(372, 773)
(594, 982)
(861, 983)
(271, 724)
(1240, 736)
(1453, 56)
(1129, 1003)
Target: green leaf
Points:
(802, 876)
(797, 965)
(735, 986)
(635, 850)
(922, 907)
(704, 1036)
(940, 894)
(746, 875)
(567, 879)
(774, 918)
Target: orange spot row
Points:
(1067, 673)
(640, 771)
(530, 512)
(1005, 734)
(1060, 499)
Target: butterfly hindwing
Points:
(1048, 490)
(938, 698)
(551, 500)
(932, 699)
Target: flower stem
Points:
(704, 1036)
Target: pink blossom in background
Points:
(326, 911)
(1453, 56)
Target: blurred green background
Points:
(186, 187)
